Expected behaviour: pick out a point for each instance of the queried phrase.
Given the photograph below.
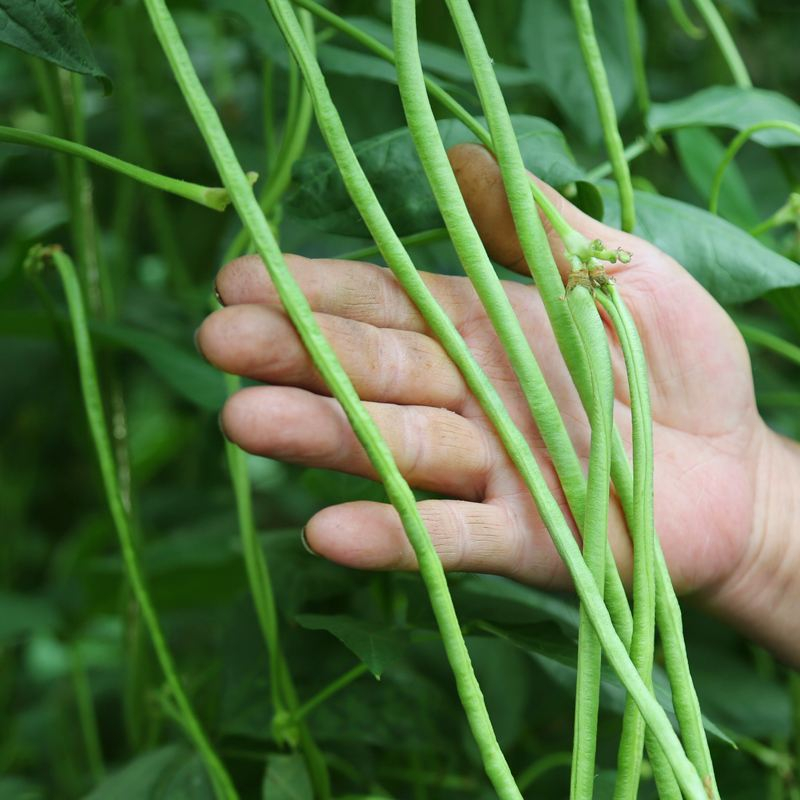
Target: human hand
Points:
(718, 469)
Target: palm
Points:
(705, 422)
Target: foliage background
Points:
(71, 640)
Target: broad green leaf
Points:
(376, 645)
(286, 778)
(730, 263)
(558, 657)
(49, 29)
(700, 152)
(549, 45)
(729, 107)
(169, 773)
(391, 164)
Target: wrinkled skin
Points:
(716, 463)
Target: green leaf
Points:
(49, 29)
(549, 45)
(729, 107)
(286, 778)
(21, 615)
(169, 773)
(375, 645)
(699, 152)
(391, 164)
(729, 263)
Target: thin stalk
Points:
(537, 252)
(787, 214)
(514, 441)
(587, 38)
(643, 535)
(213, 198)
(736, 145)
(684, 21)
(541, 767)
(637, 55)
(638, 146)
(336, 379)
(595, 537)
(719, 30)
(412, 240)
(331, 689)
(87, 717)
(102, 443)
(763, 338)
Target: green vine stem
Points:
(412, 240)
(537, 253)
(328, 691)
(684, 21)
(587, 38)
(736, 145)
(214, 198)
(643, 535)
(515, 443)
(325, 360)
(719, 30)
(638, 146)
(595, 536)
(636, 51)
(769, 340)
(99, 431)
(787, 214)
(87, 718)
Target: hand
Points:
(715, 461)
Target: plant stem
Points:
(541, 767)
(643, 535)
(713, 19)
(207, 196)
(736, 145)
(684, 21)
(637, 55)
(638, 146)
(331, 689)
(582, 13)
(772, 342)
(86, 715)
(102, 443)
(325, 360)
(595, 537)
(413, 239)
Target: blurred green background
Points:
(83, 707)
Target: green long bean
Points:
(99, 431)
(325, 360)
(537, 253)
(595, 537)
(643, 534)
(516, 445)
(587, 39)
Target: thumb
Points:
(481, 184)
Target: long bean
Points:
(98, 427)
(325, 360)
(516, 445)
(643, 534)
(595, 537)
(537, 253)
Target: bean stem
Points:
(210, 197)
(772, 342)
(637, 55)
(590, 48)
(99, 431)
(595, 537)
(683, 20)
(736, 145)
(325, 360)
(328, 691)
(719, 30)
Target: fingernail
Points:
(306, 545)
(218, 296)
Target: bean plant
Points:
(159, 603)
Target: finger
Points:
(351, 289)
(481, 184)
(385, 365)
(435, 449)
(469, 537)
